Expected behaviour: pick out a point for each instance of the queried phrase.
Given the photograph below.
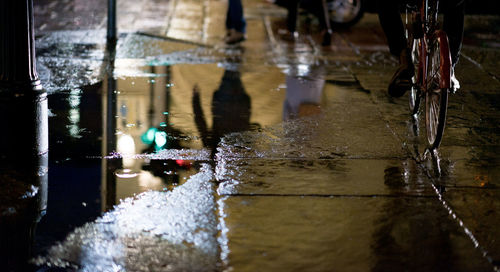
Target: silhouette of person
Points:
(230, 110)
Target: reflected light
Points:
(149, 136)
(483, 180)
(303, 70)
(126, 147)
(183, 163)
(74, 113)
(160, 138)
(146, 179)
(74, 119)
(126, 173)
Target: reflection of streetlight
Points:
(160, 139)
(126, 147)
(149, 136)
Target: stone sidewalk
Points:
(345, 191)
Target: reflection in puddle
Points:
(154, 231)
(304, 89)
(158, 134)
(230, 110)
(163, 126)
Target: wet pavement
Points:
(183, 154)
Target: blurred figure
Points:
(304, 88)
(230, 110)
(390, 20)
(317, 8)
(235, 23)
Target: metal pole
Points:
(24, 137)
(17, 46)
(111, 35)
(23, 102)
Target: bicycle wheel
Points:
(414, 95)
(436, 97)
(345, 13)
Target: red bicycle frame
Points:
(430, 34)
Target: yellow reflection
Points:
(483, 180)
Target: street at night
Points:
(169, 150)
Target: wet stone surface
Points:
(471, 204)
(184, 154)
(328, 177)
(308, 233)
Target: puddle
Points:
(154, 231)
(143, 136)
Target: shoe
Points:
(455, 84)
(234, 36)
(401, 81)
(286, 35)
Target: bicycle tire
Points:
(414, 96)
(436, 105)
(344, 13)
(437, 85)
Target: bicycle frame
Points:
(428, 17)
(432, 60)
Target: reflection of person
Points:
(390, 20)
(303, 95)
(235, 23)
(230, 110)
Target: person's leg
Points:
(390, 19)
(293, 12)
(453, 25)
(235, 22)
(229, 24)
(234, 18)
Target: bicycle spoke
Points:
(427, 51)
(436, 98)
(434, 113)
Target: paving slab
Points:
(478, 209)
(311, 234)
(329, 177)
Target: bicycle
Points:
(431, 58)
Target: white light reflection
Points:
(126, 147)
(224, 230)
(302, 70)
(160, 138)
(74, 113)
(222, 171)
(74, 120)
(126, 173)
(148, 180)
